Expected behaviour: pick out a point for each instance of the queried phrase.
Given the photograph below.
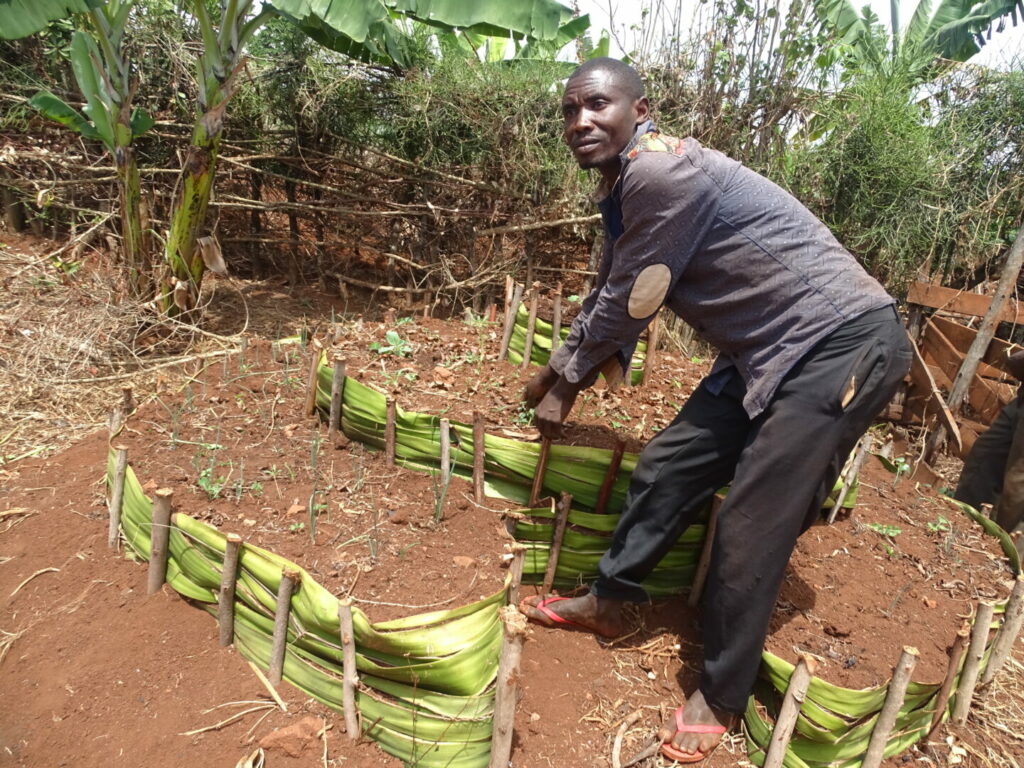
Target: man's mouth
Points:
(585, 145)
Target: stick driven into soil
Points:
(605, 493)
(478, 457)
(561, 516)
(653, 331)
(701, 574)
(348, 660)
(795, 693)
(389, 433)
(289, 580)
(226, 594)
(515, 572)
(851, 476)
(508, 295)
(510, 320)
(956, 653)
(446, 451)
(556, 319)
(975, 651)
(117, 494)
(1008, 631)
(538, 474)
(159, 533)
(890, 710)
(337, 394)
(312, 380)
(531, 325)
(505, 693)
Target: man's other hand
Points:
(539, 386)
(550, 412)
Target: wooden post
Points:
(348, 662)
(961, 384)
(506, 693)
(510, 320)
(531, 324)
(312, 379)
(446, 451)
(1008, 631)
(389, 432)
(890, 710)
(159, 534)
(956, 653)
(852, 473)
(556, 319)
(478, 457)
(492, 312)
(538, 472)
(969, 676)
(289, 581)
(337, 394)
(653, 331)
(226, 594)
(561, 516)
(515, 570)
(117, 494)
(508, 294)
(605, 492)
(700, 576)
(786, 721)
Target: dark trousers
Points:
(981, 480)
(781, 466)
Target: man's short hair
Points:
(624, 75)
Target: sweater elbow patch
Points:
(649, 290)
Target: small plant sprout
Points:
(888, 533)
(393, 344)
(902, 468)
(941, 525)
(523, 415)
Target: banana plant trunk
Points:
(132, 239)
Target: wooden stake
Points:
(1008, 631)
(891, 709)
(506, 692)
(226, 594)
(478, 457)
(389, 432)
(508, 294)
(446, 451)
(786, 721)
(159, 533)
(515, 570)
(337, 394)
(492, 312)
(312, 378)
(117, 494)
(956, 653)
(289, 580)
(531, 325)
(556, 319)
(561, 516)
(605, 493)
(510, 321)
(653, 331)
(851, 475)
(700, 576)
(975, 651)
(348, 661)
(538, 473)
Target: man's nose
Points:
(583, 121)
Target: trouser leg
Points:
(676, 475)
(1009, 512)
(981, 478)
(803, 436)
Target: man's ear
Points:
(643, 109)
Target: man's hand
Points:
(539, 386)
(550, 412)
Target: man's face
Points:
(600, 119)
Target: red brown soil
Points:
(98, 673)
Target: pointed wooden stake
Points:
(478, 457)
(890, 710)
(289, 581)
(531, 325)
(653, 331)
(956, 653)
(556, 319)
(538, 472)
(159, 534)
(226, 594)
(312, 379)
(117, 494)
(389, 432)
(561, 516)
(852, 473)
(348, 661)
(610, 475)
(975, 652)
(506, 694)
(701, 574)
(515, 572)
(1008, 631)
(510, 321)
(786, 721)
(337, 394)
(446, 451)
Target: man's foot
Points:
(695, 730)
(588, 612)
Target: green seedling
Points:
(902, 468)
(573, 299)
(523, 415)
(941, 525)
(297, 527)
(394, 345)
(884, 529)
(212, 486)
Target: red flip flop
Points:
(542, 606)
(678, 755)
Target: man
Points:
(811, 350)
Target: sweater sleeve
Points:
(668, 204)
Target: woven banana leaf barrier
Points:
(427, 681)
(541, 349)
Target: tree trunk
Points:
(133, 253)
(14, 210)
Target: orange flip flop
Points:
(678, 755)
(542, 606)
